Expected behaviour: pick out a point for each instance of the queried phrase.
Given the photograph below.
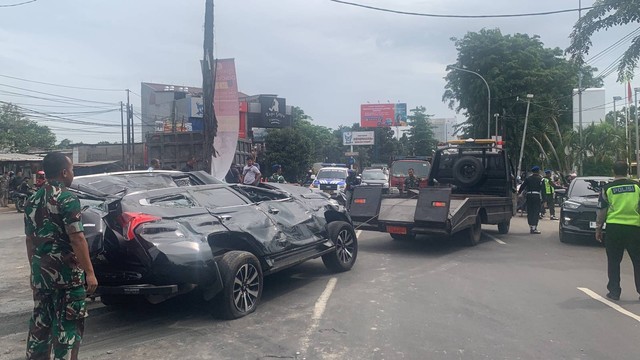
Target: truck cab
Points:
(400, 167)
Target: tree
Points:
(290, 148)
(64, 144)
(603, 15)
(19, 134)
(422, 141)
(323, 141)
(514, 66)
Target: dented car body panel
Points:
(149, 238)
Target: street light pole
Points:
(488, 97)
(524, 133)
(496, 116)
(635, 101)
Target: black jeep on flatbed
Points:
(471, 183)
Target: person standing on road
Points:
(4, 190)
(619, 208)
(277, 177)
(548, 192)
(532, 187)
(250, 173)
(155, 165)
(190, 165)
(59, 259)
(350, 184)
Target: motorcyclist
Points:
(350, 183)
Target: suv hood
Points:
(590, 201)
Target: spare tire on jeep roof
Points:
(468, 171)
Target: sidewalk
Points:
(9, 209)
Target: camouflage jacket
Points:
(276, 178)
(411, 182)
(51, 214)
(4, 183)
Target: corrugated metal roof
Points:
(15, 157)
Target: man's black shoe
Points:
(613, 296)
(534, 231)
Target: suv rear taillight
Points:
(131, 220)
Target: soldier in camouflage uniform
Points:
(411, 181)
(59, 258)
(4, 190)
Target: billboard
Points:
(383, 115)
(358, 138)
(226, 105)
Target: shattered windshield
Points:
(115, 184)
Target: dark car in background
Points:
(375, 177)
(578, 211)
(155, 235)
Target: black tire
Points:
(403, 237)
(503, 227)
(20, 204)
(468, 171)
(471, 235)
(346, 247)
(242, 285)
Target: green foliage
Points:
(421, 138)
(19, 134)
(64, 144)
(606, 14)
(514, 66)
(290, 148)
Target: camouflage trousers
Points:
(57, 324)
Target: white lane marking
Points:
(358, 233)
(610, 304)
(318, 310)
(495, 239)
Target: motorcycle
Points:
(19, 199)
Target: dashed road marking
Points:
(495, 239)
(610, 304)
(318, 310)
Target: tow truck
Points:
(471, 183)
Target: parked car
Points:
(155, 235)
(578, 211)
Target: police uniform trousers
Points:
(533, 208)
(549, 203)
(618, 238)
(57, 323)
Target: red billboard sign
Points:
(383, 115)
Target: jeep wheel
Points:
(468, 171)
(346, 247)
(242, 284)
(503, 227)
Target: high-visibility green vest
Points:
(548, 188)
(623, 199)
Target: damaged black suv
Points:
(155, 235)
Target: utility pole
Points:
(524, 134)
(208, 83)
(122, 128)
(496, 116)
(128, 166)
(133, 139)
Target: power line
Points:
(614, 45)
(58, 85)
(60, 96)
(18, 4)
(461, 16)
(15, 94)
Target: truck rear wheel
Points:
(472, 234)
(503, 227)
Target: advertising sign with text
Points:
(383, 115)
(358, 138)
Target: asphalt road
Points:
(513, 296)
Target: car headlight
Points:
(570, 205)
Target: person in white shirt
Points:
(250, 173)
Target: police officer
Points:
(532, 187)
(619, 208)
(60, 264)
(548, 192)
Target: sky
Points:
(325, 57)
